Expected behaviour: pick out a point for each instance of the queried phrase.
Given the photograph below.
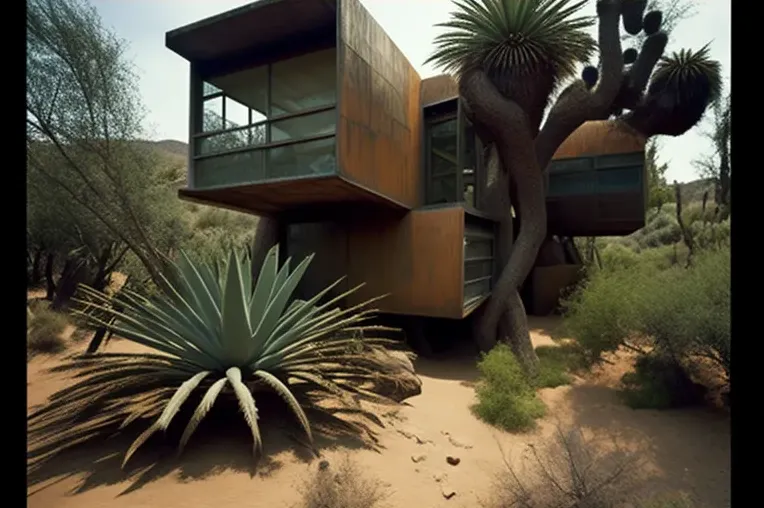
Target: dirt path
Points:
(686, 450)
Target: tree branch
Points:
(577, 104)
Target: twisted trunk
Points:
(510, 128)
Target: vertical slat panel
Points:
(379, 128)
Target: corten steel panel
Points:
(286, 195)
(438, 88)
(379, 125)
(418, 260)
(601, 137)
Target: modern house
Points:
(306, 110)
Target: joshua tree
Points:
(509, 57)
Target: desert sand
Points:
(685, 450)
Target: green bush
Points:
(506, 398)
(44, 329)
(556, 363)
(660, 382)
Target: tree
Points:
(718, 165)
(508, 57)
(83, 126)
(658, 190)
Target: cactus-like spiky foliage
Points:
(214, 334)
(691, 77)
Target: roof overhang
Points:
(262, 24)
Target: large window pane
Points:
(231, 140)
(469, 171)
(302, 159)
(226, 170)
(249, 88)
(304, 126)
(305, 82)
(442, 189)
(236, 114)
(213, 114)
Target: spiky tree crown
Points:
(689, 76)
(515, 38)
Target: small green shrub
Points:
(659, 382)
(617, 256)
(506, 398)
(44, 329)
(556, 363)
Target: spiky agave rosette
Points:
(214, 331)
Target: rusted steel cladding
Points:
(418, 261)
(438, 88)
(379, 131)
(601, 137)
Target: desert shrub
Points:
(567, 472)
(505, 396)
(712, 235)
(556, 363)
(688, 311)
(607, 309)
(44, 329)
(213, 328)
(665, 236)
(617, 256)
(660, 382)
(344, 487)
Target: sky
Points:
(410, 24)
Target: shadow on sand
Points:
(689, 447)
(222, 442)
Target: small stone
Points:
(418, 458)
(323, 465)
(447, 491)
(454, 461)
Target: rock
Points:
(454, 461)
(406, 383)
(447, 491)
(418, 458)
(323, 465)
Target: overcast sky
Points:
(410, 23)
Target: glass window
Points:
(302, 159)
(478, 269)
(210, 89)
(315, 124)
(236, 114)
(248, 87)
(231, 140)
(477, 289)
(305, 82)
(213, 114)
(478, 248)
(443, 162)
(469, 172)
(226, 170)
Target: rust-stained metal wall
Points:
(601, 137)
(438, 88)
(418, 261)
(379, 129)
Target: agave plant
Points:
(515, 37)
(212, 331)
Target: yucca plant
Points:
(690, 77)
(520, 44)
(212, 331)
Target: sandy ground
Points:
(686, 450)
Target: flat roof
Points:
(258, 24)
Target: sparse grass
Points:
(506, 398)
(569, 471)
(342, 486)
(556, 363)
(44, 329)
